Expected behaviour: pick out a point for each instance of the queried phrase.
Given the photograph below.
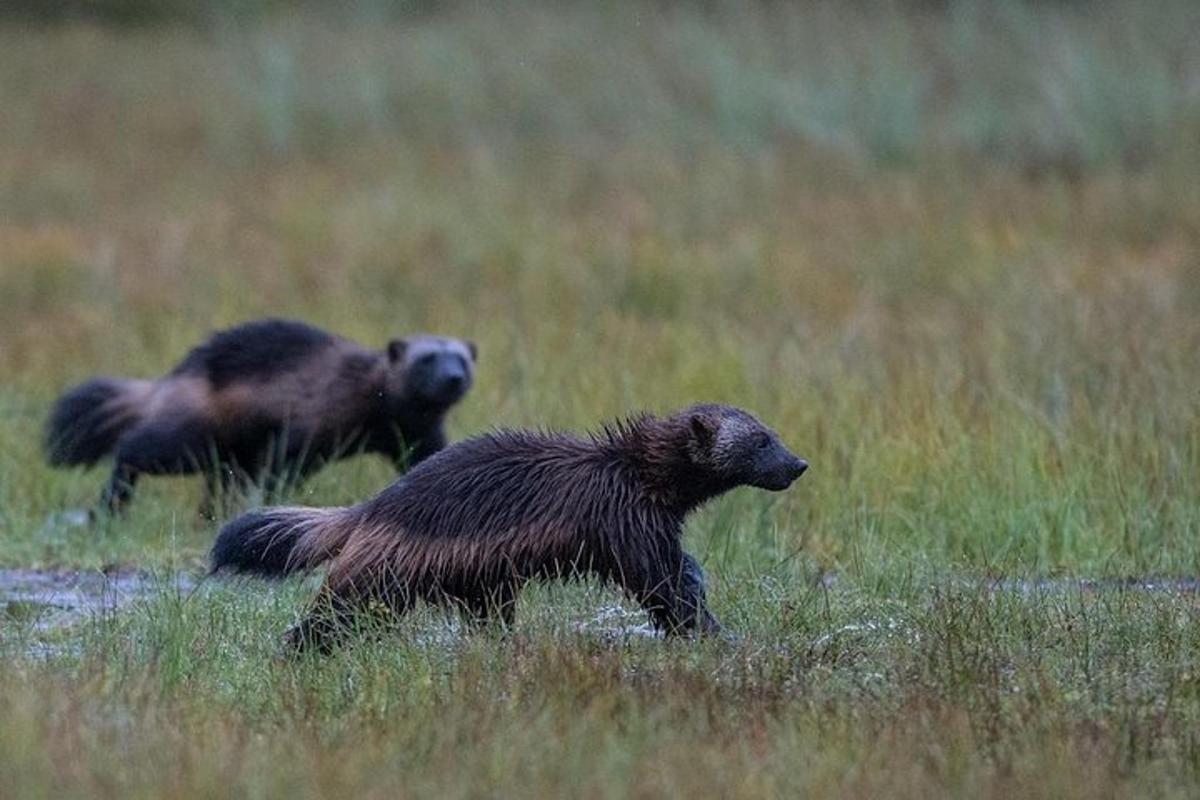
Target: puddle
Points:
(615, 622)
(1094, 585)
(43, 600)
(611, 623)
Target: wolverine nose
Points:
(798, 467)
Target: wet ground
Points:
(48, 599)
(1149, 585)
(1061, 585)
(44, 601)
(617, 622)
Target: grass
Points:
(949, 253)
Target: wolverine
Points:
(272, 401)
(468, 527)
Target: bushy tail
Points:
(87, 420)
(273, 542)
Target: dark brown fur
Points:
(267, 401)
(469, 526)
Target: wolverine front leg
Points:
(669, 584)
(695, 586)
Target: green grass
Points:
(929, 688)
(950, 254)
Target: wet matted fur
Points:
(470, 525)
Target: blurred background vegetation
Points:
(949, 249)
(1055, 86)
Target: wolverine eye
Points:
(762, 441)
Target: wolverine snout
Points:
(780, 475)
(452, 387)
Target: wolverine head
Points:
(430, 371)
(739, 450)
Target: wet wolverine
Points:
(270, 400)
(469, 526)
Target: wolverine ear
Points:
(704, 430)
(473, 350)
(395, 350)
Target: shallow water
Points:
(617, 622)
(1147, 585)
(44, 601)
(48, 599)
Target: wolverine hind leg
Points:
(340, 612)
(118, 491)
(493, 603)
(325, 626)
(156, 447)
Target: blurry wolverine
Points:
(269, 401)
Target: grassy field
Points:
(949, 251)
